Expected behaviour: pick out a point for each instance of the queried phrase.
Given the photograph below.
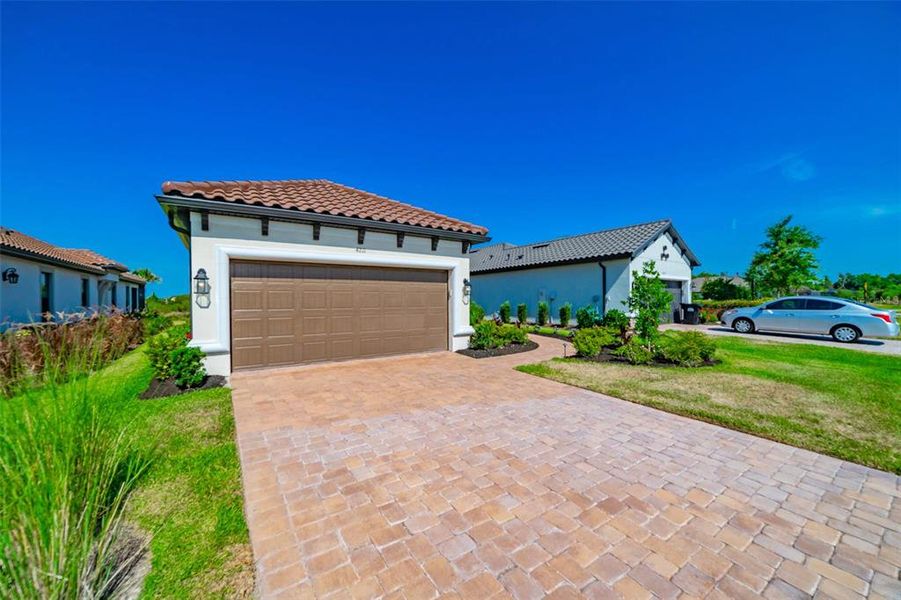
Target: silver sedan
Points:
(844, 320)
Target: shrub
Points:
(714, 309)
(589, 341)
(720, 288)
(489, 334)
(544, 313)
(522, 313)
(476, 313)
(587, 316)
(504, 311)
(485, 336)
(635, 351)
(186, 366)
(618, 320)
(154, 322)
(510, 334)
(566, 313)
(687, 348)
(161, 347)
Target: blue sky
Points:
(535, 120)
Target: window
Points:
(85, 292)
(787, 304)
(127, 300)
(134, 299)
(817, 304)
(114, 300)
(46, 294)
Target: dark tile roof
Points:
(318, 196)
(621, 241)
(87, 260)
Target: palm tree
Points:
(147, 275)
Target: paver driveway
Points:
(442, 475)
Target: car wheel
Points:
(845, 334)
(743, 325)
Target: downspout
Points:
(603, 288)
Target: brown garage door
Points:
(289, 313)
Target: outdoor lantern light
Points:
(467, 287)
(201, 282)
(11, 276)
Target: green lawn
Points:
(189, 501)
(839, 402)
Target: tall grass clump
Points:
(66, 471)
(35, 354)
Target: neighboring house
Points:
(41, 279)
(301, 271)
(589, 269)
(697, 283)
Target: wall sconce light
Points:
(11, 276)
(664, 255)
(467, 287)
(202, 288)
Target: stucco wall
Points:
(579, 284)
(237, 237)
(675, 268)
(21, 303)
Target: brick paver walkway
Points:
(440, 475)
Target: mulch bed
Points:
(501, 351)
(607, 356)
(160, 388)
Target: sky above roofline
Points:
(536, 120)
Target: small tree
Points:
(785, 260)
(544, 313)
(504, 311)
(522, 313)
(566, 313)
(648, 299)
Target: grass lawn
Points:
(550, 331)
(189, 500)
(839, 402)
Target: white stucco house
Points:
(301, 271)
(40, 281)
(589, 269)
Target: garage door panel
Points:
(341, 299)
(285, 313)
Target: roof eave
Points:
(285, 214)
(667, 226)
(556, 263)
(50, 260)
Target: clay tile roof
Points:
(319, 196)
(85, 259)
